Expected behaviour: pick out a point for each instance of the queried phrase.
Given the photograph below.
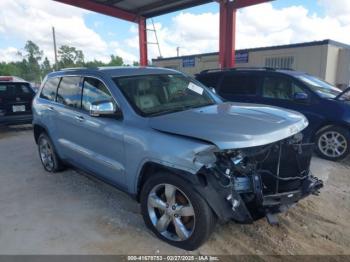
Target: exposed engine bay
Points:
(265, 180)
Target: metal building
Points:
(328, 59)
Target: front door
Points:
(279, 90)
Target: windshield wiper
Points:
(178, 109)
(168, 111)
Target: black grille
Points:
(294, 164)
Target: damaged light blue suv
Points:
(167, 140)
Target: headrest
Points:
(143, 86)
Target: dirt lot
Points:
(71, 213)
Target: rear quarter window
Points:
(239, 84)
(50, 88)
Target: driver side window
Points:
(280, 88)
(94, 91)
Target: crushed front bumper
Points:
(269, 205)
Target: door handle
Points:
(51, 108)
(79, 118)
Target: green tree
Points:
(29, 67)
(94, 63)
(46, 67)
(9, 69)
(116, 61)
(70, 57)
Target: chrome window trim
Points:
(82, 76)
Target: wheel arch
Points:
(202, 184)
(38, 129)
(149, 168)
(326, 125)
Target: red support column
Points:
(143, 41)
(227, 34)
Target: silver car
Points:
(188, 158)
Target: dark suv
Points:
(16, 96)
(326, 107)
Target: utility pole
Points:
(54, 47)
(178, 51)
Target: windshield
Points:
(152, 95)
(321, 87)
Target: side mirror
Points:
(301, 97)
(103, 108)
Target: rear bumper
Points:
(16, 119)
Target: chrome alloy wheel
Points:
(46, 154)
(332, 144)
(171, 212)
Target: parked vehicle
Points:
(16, 97)
(173, 145)
(326, 107)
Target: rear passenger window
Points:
(209, 80)
(50, 89)
(239, 84)
(69, 91)
(94, 91)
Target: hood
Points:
(233, 125)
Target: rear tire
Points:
(48, 156)
(175, 212)
(333, 143)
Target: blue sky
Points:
(195, 30)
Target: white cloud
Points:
(260, 25)
(339, 9)
(33, 20)
(128, 57)
(9, 54)
(257, 26)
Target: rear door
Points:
(239, 86)
(67, 110)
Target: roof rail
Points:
(210, 70)
(287, 69)
(238, 68)
(73, 68)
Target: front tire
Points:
(175, 212)
(333, 143)
(48, 156)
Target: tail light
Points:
(6, 78)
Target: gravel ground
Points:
(72, 213)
